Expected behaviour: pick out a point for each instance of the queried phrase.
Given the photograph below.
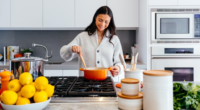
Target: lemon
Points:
(25, 78)
(33, 84)
(40, 96)
(41, 83)
(9, 97)
(19, 94)
(49, 90)
(28, 91)
(22, 101)
(14, 85)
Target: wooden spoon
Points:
(132, 63)
(83, 61)
(135, 62)
(122, 61)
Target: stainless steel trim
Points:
(175, 10)
(82, 99)
(177, 56)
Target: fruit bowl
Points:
(32, 106)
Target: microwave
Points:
(176, 24)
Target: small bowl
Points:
(32, 106)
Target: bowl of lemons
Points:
(24, 94)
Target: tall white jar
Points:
(157, 90)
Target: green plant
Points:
(186, 96)
(27, 50)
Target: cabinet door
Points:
(85, 10)
(163, 2)
(70, 72)
(188, 2)
(125, 12)
(4, 13)
(26, 13)
(58, 13)
(53, 73)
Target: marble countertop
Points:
(83, 106)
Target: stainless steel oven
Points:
(183, 61)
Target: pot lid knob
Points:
(27, 55)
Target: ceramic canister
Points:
(130, 86)
(158, 90)
(130, 102)
(137, 74)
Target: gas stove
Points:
(78, 89)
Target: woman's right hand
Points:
(76, 49)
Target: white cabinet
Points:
(58, 13)
(4, 13)
(85, 10)
(53, 72)
(164, 2)
(26, 13)
(70, 72)
(75, 14)
(188, 2)
(125, 12)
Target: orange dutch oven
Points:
(95, 73)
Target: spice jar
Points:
(130, 86)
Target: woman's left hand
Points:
(114, 70)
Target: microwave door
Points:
(174, 26)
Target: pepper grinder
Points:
(5, 77)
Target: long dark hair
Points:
(111, 27)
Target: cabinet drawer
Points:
(70, 72)
(52, 72)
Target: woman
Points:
(99, 44)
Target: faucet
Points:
(39, 45)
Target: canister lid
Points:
(139, 96)
(130, 81)
(158, 73)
